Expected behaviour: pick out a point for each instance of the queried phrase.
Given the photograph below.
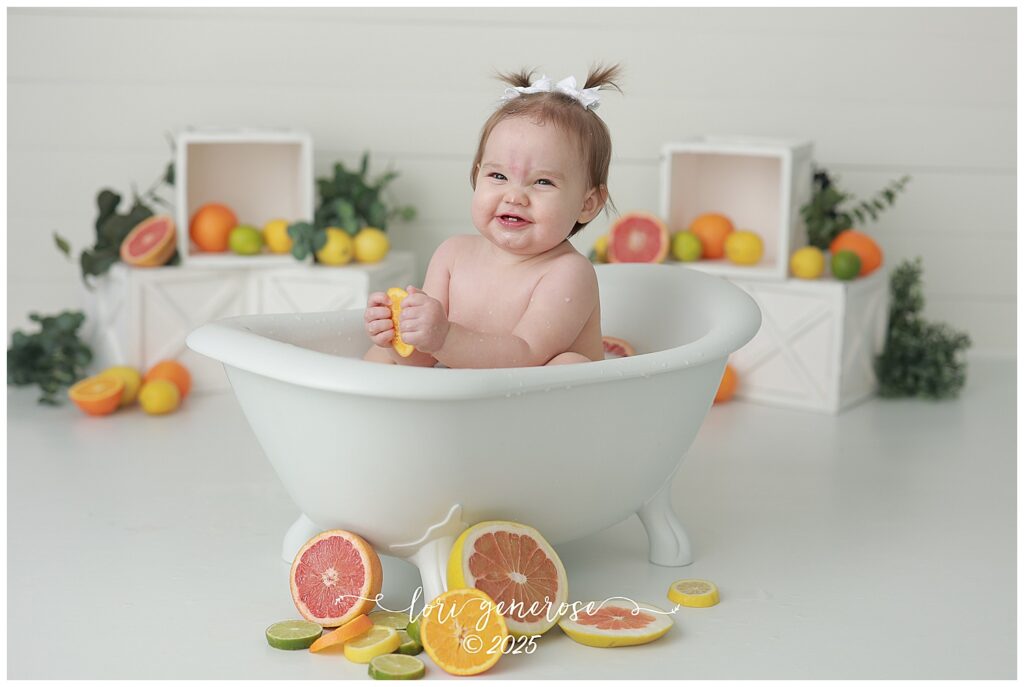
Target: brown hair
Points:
(568, 114)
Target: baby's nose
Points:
(515, 195)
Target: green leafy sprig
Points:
(920, 358)
(826, 216)
(350, 201)
(52, 358)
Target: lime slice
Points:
(293, 634)
(395, 619)
(414, 629)
(379, 640)
(396, 667)
(693, 593)
(408, 645)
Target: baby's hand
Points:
(379, 326)
(423, 322)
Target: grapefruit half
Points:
(151, 243)
(517, 568)
(335, 577)
(615, 347)
(615, 623)
(638, 237)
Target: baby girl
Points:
(518, 293)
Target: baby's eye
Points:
(497, 174)
(546, 181)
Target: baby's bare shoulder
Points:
(573, 266)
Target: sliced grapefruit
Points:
(335, 577)
(638, 237)
(516, 567)
(151, 243)
(615, 623)
(616, 348)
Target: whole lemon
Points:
(246, 240)
(601, 248)
(338, 249)
(132, 381)
(159, 396)
(686, 246)
(275, 234)
(744, 247)
(371, 245)
(807, 263)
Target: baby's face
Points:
(530, 187)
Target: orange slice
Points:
(463, 632)
(99, 395)
(350, 630)
(397, 295)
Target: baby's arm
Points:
(561, 303)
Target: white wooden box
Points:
(260, 174)
(817, 343)
(138, 316)
(758, 183)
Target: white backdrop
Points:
(881, 92)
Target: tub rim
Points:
(230, 341)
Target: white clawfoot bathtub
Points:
(408, 457)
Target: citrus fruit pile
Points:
(215, 228)
(161, 390)
(853, 254)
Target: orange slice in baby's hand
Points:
(397, 295)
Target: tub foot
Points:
(430, 552)
(301, 531)
(668, 541)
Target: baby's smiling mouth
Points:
(512, 220)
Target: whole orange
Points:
(172, 371)
(210, 227)
(712, 228)
(728, 385)
(864, 246)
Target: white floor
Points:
(880, 543)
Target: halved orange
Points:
(350, 630)
(463, 632)
(99, 395)
(398, 295)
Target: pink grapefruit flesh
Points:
(151, 243)
(638, 237)
(335, 577)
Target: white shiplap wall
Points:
(881, 92)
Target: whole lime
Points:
(686, 246)
(246, 240)
(845, 265)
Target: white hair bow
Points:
(587, 97)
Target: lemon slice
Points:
(378, 641)
(693, 593)
(395, 619)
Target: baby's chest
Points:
(487, 302)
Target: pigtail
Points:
(604, 77)
(522, 78)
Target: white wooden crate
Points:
(817, 343)
(260, 174)
(138, 316)
(759, 183)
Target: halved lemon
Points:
(693, 593)
(398, 295)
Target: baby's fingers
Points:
(377, 313)
(378, 298)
